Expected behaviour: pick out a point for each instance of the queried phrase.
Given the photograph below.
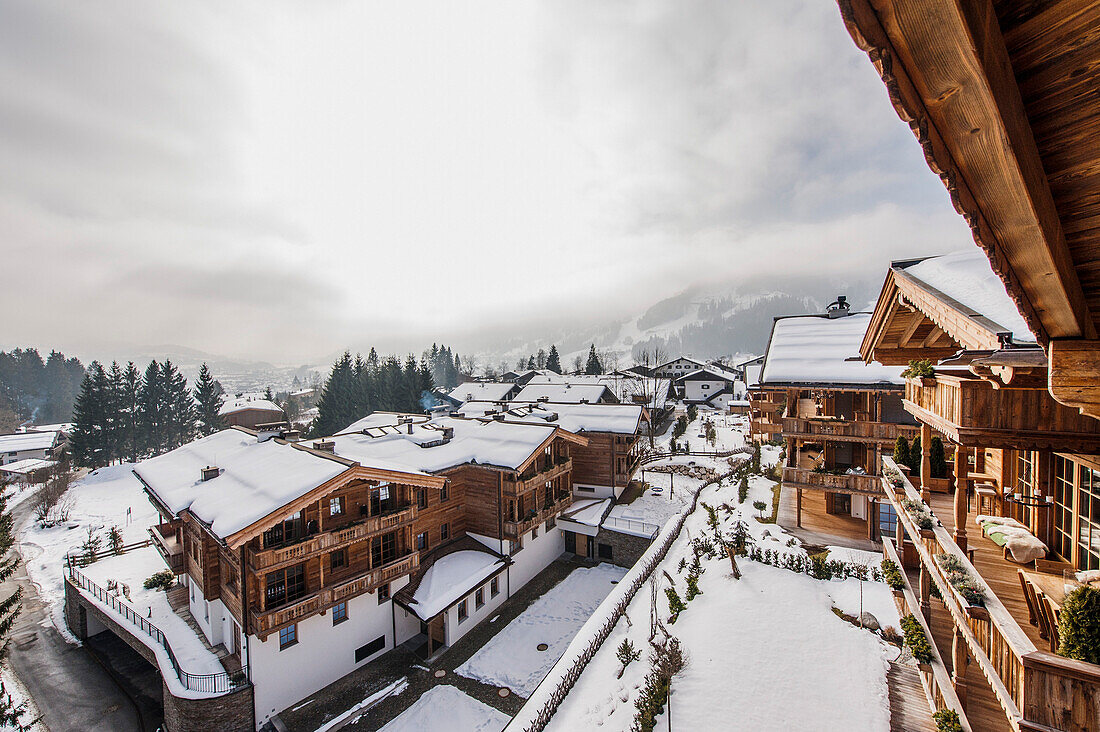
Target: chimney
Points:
(839, 308)
(498, 417)
(410, 424)
(325, 446)
(210, 472)
(448, 433)
(291, 435)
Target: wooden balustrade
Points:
(264, 623)
(843, 430)
(538, 480)
(171, 550)
(515, 529)
(1036, 689)
(843, 483)
(366, 528)
(763, 405)
(766, 428)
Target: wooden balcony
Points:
(812, 480)
(839, 430)
(515, 529)
(264, 623)
(1035, 689)
(538, 480)
(268, 559)
(970, 412)
(164, 539)
(764, 427)
(764, 405)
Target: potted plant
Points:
(968, 591)
(920, 371)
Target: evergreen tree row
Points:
(124, 414)
(542, 360)
(445, 366)
(358, 386)
(33, 388)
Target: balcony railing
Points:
(213, 684)
(266, 622)
(515, 529)
(847, 431)
(538, 480)
(763, 405)
(164, 539)
(265, 559)
(844, 483)
(766, 428)
(1036, 689)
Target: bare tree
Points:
(578, 365)
(469, 364)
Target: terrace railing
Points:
(214, 684)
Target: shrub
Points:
(924, 521)
(1079, 625)
(916, 639)
(915, 451)
(692, 587)
(743, 489)
(918, 370)
(760, 506)
(114, 540)
(892, 574)
(901, 450)
(891, 635)
(950, 563)
(966, 586)
(627, 654)
(91, 546)
(693, 413)
(162, 580)
(937, 460)
(675, 604)
(947, 720)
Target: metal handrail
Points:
(220, 683)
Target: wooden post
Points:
(925, 592)
(925, 461)
(960, 496)
(959, 661)
(798, 508)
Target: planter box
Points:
(927, 534)
(977, 612)
(925, 668)
(899, 594)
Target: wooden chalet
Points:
(839, 417)
(1001, 96)
(251, 412)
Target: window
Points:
(285, 586)
(479, 598)
(383, 593)
(285, 532)
(444, 532)
(288, 636)
(1025, 481)
(1088, 518)
(364, 652)
(462, 611)
(336, 506)
(550, 523)
(339, 613)
(1064, 484)
(887, 519)
(383, 549)
(515, 547)
(422, 498)
(422, 541)
(584, 489)
(605, 551)
(494, 587)
(443, 494)
(338, 559)
(534, 533)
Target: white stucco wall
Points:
(455, 629)
(536, 555)
(324, 652)
(598, 491)
(700, 390)
(16, 455)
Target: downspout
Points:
(245, 629)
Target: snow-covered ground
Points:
(18, 694)
(512, 658)
(444, 708)
(767, 646)
(132, 569)
(99, 500)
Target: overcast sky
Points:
(279, 180)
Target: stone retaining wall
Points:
(626, 549)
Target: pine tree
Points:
(901, 451)
(553, 362)
(209, 397)
(128, 401)
(12, 716)
(180, 407)
(936, 458)
(915, 456)
(151, 434)
(593, 366)
(530, 362)
(335, 409)
(86, 441)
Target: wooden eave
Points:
(558, 432)
(353, 473)
(1002, 99)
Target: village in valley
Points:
(886, 519)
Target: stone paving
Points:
(310, 713)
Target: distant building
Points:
(678, 367)
(490, 391)
(30, 445)
(250, 412)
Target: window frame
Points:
(463, 611)
(288, 636)
(339, 613)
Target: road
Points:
(73, 691)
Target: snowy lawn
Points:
(99, 500)
(766, 652)
(132, 569)
(444, 708)
(512, 658)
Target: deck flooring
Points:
(819, 527)
(909, 707)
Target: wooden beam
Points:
(1073, 373)
(915, 320)
(949, 76)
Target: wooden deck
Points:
(819, 527)
(988, 558)
(909, 707)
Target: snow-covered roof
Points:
(65, 427)
(28, 441)
(815, 349)
(239, 404)
(689, 359)
(623, 419)
(382, 419)
(587, 511)
(967, 278)
(709, 373)
(450, 578)
(486, 390)
(255, 479)
(624, 385)
(28, 465)
(501, 444)
(563, 393)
